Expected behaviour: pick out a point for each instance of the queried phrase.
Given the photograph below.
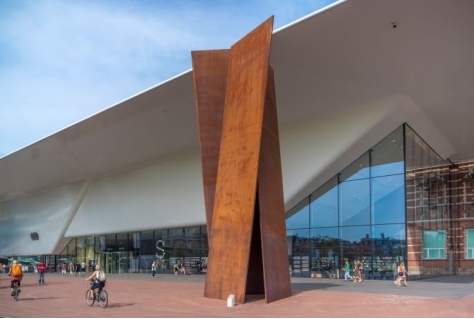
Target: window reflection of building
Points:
(134, 252)
(358, 214)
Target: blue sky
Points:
(62, 61)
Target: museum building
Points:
(374, 105)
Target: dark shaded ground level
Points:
(139, 295)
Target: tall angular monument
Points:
(241, 167)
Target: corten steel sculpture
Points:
(240, 155)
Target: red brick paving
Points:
(139, 296)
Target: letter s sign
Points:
(159, 247)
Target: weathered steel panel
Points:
(271, 204)
(210, 81)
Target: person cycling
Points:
(16, 274)
(96, 279)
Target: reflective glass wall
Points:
(440, 218)
(134, 252)
(358, 214)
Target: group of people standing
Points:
(357, 270)
(75, 269)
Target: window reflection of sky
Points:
(351, 204)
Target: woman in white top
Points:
(96, 283)
(402, 274)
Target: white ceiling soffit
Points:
(344, 57)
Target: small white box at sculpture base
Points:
(230, 301)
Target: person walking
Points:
(402, 275)
(78, 269)
(183, 267)
(357, 271)
(153, 269)
(347, 270)
(83, 268)
(41, 269)
(71, 269)
(63, 269)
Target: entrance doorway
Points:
(120, 262)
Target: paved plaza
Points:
(141, 296)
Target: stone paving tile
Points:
(140, 296)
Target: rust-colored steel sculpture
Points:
(210, 81)
(240, 153)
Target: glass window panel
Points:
(81, 248)
(110, 242)
(299, 216)
(356, 242)
(147, 243)
(470, 243)
(434, 244)
(302, 232)
(358, 169)
(389, 240)
(72, 248)
(324, 205)
(300, 241)
(122, 242)
(325, 247)
(387, 155)
(470, 238)
(146, 235)
(161, 234)
(355, 202)
(419, 154)
(192, 231)
(389, 199)
(100, 244)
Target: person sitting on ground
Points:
(16, 274)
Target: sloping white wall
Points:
(47, 213)
(163, 195)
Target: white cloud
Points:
(62, 61)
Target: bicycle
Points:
(101, 295)
(16, 290)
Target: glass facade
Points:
(358, 214)
(134, 252)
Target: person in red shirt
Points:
(41, 269)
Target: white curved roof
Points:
(354, 57)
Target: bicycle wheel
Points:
(89, 298)
(103, 298)
(15, 291)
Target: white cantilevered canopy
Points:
(408, 61)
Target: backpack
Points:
(101, 276)
(16, 271)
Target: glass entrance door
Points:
(118, 262)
